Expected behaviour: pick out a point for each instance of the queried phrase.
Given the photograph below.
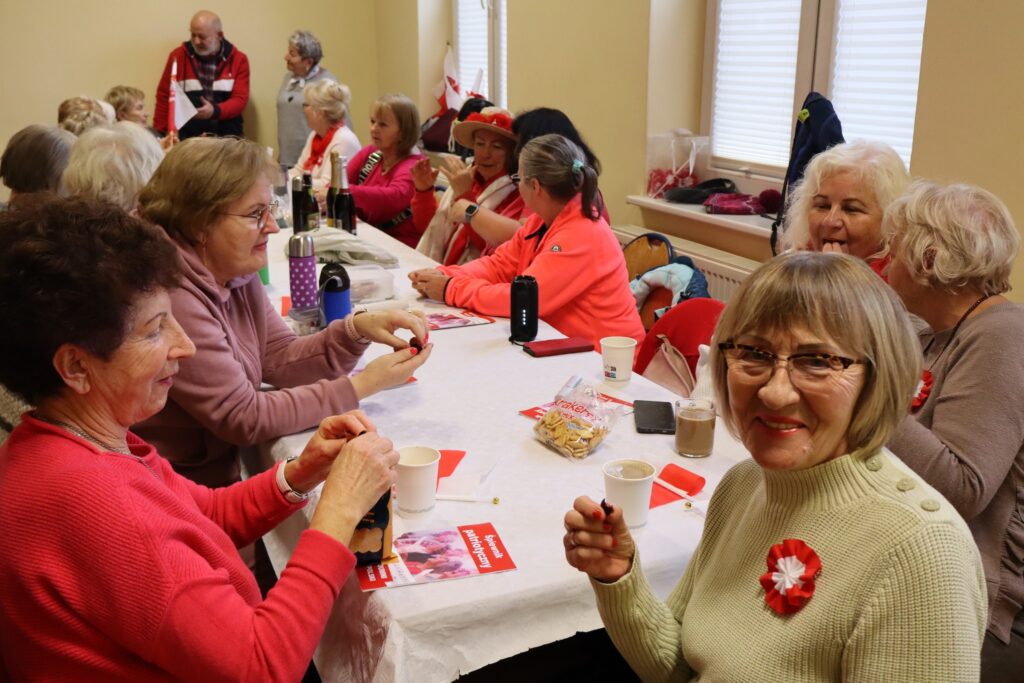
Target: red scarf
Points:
(318, 147)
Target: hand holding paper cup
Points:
(416, 483)
(627, 484)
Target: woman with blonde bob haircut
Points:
(871, 574)
(952, 249)
(380, 174)
(325, 107)
(213, 197)
(839, 203)
(113, 163)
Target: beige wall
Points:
(65, 48)
(589, 59)
(970, 106)
(675, 64)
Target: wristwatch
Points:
(290, 494)
(470, 212)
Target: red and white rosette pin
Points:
(924, 388)
(789, 582)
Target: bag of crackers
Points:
(578, 420)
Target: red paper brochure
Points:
(438, 555)
(442, 321)
(537, 412)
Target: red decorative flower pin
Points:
(924, 388)
(789, 582)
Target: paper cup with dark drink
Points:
(416, 480)
(617, 358)
(695, 428)
(627, 484)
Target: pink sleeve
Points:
(215, 390)
(378, 200)
(484, 284)
(424, 206)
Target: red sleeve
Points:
(232, 107)
(226, 639)
(162, 90)
(424, 206)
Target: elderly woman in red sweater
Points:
(112, 566)
(462, 227)
(582, 284)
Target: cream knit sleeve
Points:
(926, 619)
(644, 629)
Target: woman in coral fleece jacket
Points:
(113, 567)
(566, 246)
(212, 197)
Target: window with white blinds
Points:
(481, 47)
(875, 68)
(864, 55)
(755, 67)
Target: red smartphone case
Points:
(556, 347)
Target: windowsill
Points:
(749, 225)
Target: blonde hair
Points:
(953, 237)
(840, 298)
(122, 97)
(199, 178)
(329, 97)
(875, 164)
(78, 114)
(113, 162)
(407, 117)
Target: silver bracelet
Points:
(290, 494)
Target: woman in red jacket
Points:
(566, 246)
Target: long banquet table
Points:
(467, 397)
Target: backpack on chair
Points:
(817, 128)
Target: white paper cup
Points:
(617, 358)
(627, 484)
(416, 483)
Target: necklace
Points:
(78, 431)
(924, 387)
(956, 328)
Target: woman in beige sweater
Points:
(871, 574)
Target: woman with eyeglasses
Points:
(823, 557)
(952, 248)
(212, 196)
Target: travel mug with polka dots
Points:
(302, 272)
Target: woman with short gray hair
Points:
(303, 62)
(325, 104)
(113, 163)
(952, 249)
(35, 158)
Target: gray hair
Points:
(35, 158)
(874, 163)
(113, 163)
(953, 237)
(306, 44)
(561, 167)
(329, 97)
(836, 297)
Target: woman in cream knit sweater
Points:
(823, 558)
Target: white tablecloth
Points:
(467, 397)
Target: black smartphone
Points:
(654, 417)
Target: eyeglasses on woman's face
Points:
(260, 215)
(806, 370)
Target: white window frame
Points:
(813, 72)
(497, 49)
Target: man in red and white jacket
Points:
(215, 76)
